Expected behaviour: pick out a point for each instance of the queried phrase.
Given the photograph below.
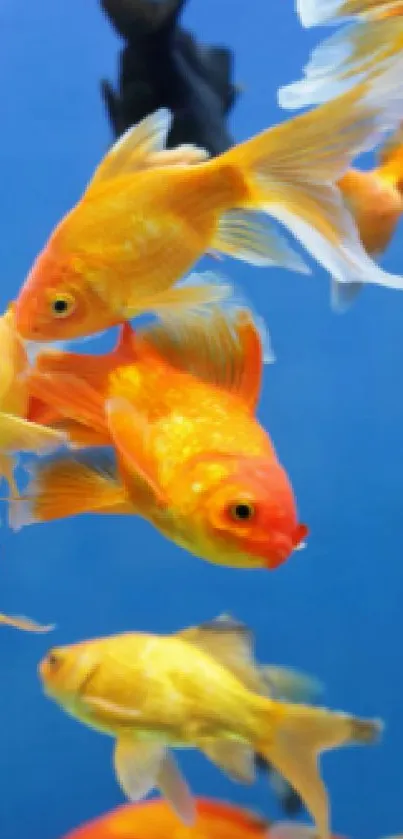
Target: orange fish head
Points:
(58, 303)
(251, 512)
(65, 671)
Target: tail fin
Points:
(290, 173)
(24, 624)
(318, 12)
(68, 485)
(296, 735)
(343, 60)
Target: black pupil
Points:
(243, 511)
(53, 659)
(60, 306)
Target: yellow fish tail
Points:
(24, 624)
(319, 12)
(69, 485)
(293, 736)
(343, 60)
(292, 170)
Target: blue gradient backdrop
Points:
(333, 404)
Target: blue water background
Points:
(332, 403)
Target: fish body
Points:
(178, 401)
(200, 689)
(163, 65)
(155, 818)
(150, 213)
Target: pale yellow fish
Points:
(197, 689)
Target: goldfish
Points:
(163, 65)
(149, 213)
(199, 688)
(16, 432)
(362, 49)
(24, 624)
(154, 819)
(149, 818)
(178, 401)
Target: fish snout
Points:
(280, 547)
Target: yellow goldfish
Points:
(16, 432)
(147, 217)
(197, 689)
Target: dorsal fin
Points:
(134, 148)
(218, 64)
(131, 18)
(222, 346)
(231, 643)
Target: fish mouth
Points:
(280, 548)
(51, 686)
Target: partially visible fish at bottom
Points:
(154, 819)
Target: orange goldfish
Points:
(24, 624)
(199, 688)
(154, 819)
(149, 214)
(360, 50)
(16, 432)
(178, 401)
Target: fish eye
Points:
(54, 659)
(63, 305)
(243, 511)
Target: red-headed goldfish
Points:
(178, 401)
(154, 819)
(199, 688)
(361, 50)
(147, 216)
(16, 432)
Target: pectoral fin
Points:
(130, 433)
(175, 789)
(235, 758)
(137, 765)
